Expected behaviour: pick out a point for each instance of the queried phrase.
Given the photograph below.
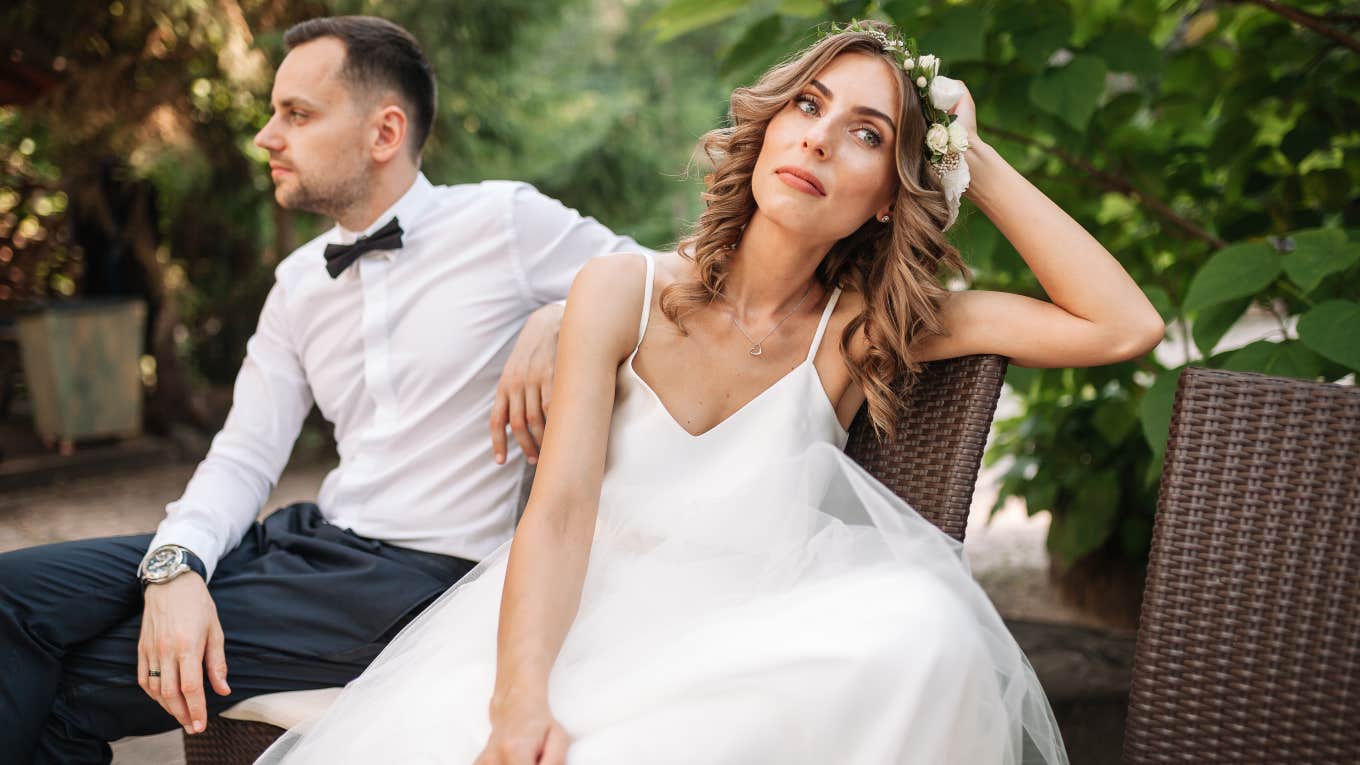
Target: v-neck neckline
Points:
(696, 436)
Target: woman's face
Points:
(828, 162)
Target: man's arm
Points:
(549, 243)
(269, 402)
(180, 629)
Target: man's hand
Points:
(526, 385)
(180, 634)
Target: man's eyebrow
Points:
(296, 101)
(858, 109)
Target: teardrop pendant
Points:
(755, 350)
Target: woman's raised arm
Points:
(1098, 314)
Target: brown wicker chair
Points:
(932, 463)
(1249, 644)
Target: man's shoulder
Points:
(495, 191)
(311, 255)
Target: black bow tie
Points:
(339, 256)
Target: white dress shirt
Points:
(402, 353)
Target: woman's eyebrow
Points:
(870, 111)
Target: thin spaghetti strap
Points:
(821, 327)
(646, 298)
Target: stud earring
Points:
(885, 219)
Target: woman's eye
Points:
(805, 105)
(868, 136)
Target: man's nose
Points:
(268, 138)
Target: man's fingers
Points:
(191, 685)
(520, 431)
(216, 660)
(171, 696)
(499, 412)
(533, 415)
(143, 670)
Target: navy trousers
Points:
(303, 604)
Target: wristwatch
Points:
(167, 562)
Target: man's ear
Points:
(390, 138)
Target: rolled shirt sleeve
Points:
(270, 399)
(550, 242)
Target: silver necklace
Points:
(756, 349)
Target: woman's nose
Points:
(817, 141)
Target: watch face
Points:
(163, 562)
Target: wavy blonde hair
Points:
(897, 267)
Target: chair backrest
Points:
(1249, 642)
(932, 462)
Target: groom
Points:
(396, 324)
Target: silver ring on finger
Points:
(153, 673)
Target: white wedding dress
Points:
(752, 596)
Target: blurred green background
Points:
(1213, 147)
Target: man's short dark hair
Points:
(379, 54)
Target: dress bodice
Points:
(647, 444)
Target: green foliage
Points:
(1213, 149)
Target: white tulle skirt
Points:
(806, 616)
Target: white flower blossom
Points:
(921, 81)
(945, 92)
(958, 136)
(937, 138)
(909, 63)
(929, 63)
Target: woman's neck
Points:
(771, 269)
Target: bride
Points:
(701, 575)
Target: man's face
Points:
(316, 138)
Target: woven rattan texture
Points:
(229, 742)
(1249, 642)
(932, 462)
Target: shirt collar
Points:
(406, 210)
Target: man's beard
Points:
(333, 197)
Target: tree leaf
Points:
(1318, 253)
(1161, 301)
(1213, 323)
(1238, 270)
(755, 48)
(1286, 359)
(1070, 92)
(1036, 27)
(1154, 411)
(1332, 329)
(682, 16)
(1113, 419)
(802, 8)
(956, 33)
(1127, 50)
(1089, 520)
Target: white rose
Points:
(909, 63)
(958, 136)
(928, 63)
(937, 138)
(945, 92)
(920, 82)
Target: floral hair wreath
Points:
(946, 139)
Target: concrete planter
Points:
(80, 363)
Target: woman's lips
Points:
(802, 180)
